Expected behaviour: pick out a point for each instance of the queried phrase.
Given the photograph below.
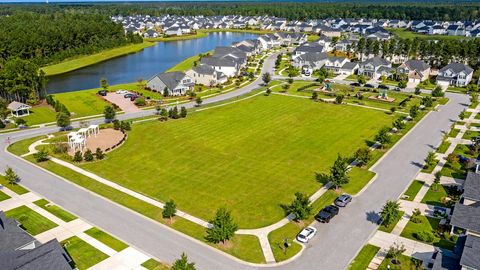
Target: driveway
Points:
(333, 248)
(125, 104)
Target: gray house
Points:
(456, 74)
(176, 83)
(375, 67)
(19, 250)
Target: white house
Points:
(176, 83)
(456, 74)
(206, 75)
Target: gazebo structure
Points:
(94, 130)
(19, 109)
(78, 140)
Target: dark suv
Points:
(327, 213)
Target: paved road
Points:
(336, 243)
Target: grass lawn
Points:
(21, 147)
(83, 254)
(107, 239)
(186, 64)
(241, 248)
(229, 151)
(82, 103)
(453, 133)
(312, 38)
(83, 61)
(406, 263)
(15, 187)
(428, 224)
(429, 169)
(153, 264)
(199, 34)
(444, 147)
(454, 170)
(3, 196)
(362, 260)
(392, 225)
(434, 197)
(413, 189)
(469, 134)
(40, 114)
(31, 221)
(404, 33)
(358, 179)
(55, 210)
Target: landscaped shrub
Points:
(452, 158)
(116, 124)
(88, 155)
(99, 154)
(416, 216)
(2, 125)
(41, 156)
(20, 122)
(425, 236)
(78, 157)
(60, 148)
(140, 102)
(125, 126)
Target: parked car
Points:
(122, 92)
(102, 93)
(307, 73)
(306, 234)
(383, 86)
(355, 84)
(369, 85)
(129, 95)
(343, 200)
(397, 89)
(327, 214)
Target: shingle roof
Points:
(471, 187)
(466, 217)
(14, 105)
(471, 252)
(457, 67)
(171, 79)
(443, 262)
(377, 61)
(418, 65)
(204, 69)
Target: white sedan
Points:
(122, 92)
(306, 234)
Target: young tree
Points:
(11, 176)
(164, 114)
(300, 207)
(125, 126)
(88, 155)
(416, 216)
(174, 114)
(395, 251)
(183, 264)
(414, 111)
(99, 154)
(183, 112)
(315, 95)
(223, 227)
(104, 84)
(363, 155)
(418, 91)
(461, 115)
(437, 91)
(402, 84)
(63, 120)
(436, 180)
(427, 101)
(198, 101)
(169, 210)
(266, 78)
(430, 159)
(383, 136)
(399, 124)
(339, 99)
(166, 92)
(41, 156)
(339, 172)
(361, 79)
(78, 157)
(390, 212)
(268, 92)
(109, 113)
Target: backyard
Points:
(251, 155)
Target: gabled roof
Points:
(466, 217)
(218, 61)
(471, 252)
(418, 65)
(471, 187)
(457, 68)
(376, 61)
(313, 57)
(171, 79)
(15, 106)
(204, 69)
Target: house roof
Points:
(471, 187)
(15, 106)
(350, 65)
(204, 69)
(218, 61)
(466, 217)
(471, 252)
(377, 61)
(443, 262)
(171, 79)
(457, 68)
(313, 57)
(418, 65)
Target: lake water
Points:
(141, 65)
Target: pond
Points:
(141, 65)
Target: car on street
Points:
(343, 200)
(122, 92)
(369, 85)
(355, 84)
(327, 214)
(306, 234)
(102, 93)
(383, 86)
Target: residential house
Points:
(176, 83)
(349, 68)
(375, 67)
(311, 61)
(328, 31)
(173, 31)
(311, 47)
(456, 74)
(150, 33)
(335, 63)
(206, 75)
(416, 70)
(227, 66)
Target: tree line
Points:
(441, 10)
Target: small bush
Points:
(60, 148)
(425, 236)
(78, 157)
(116, 124)
(41, 156)
(88, 155)
(99, 154)
(140, 102)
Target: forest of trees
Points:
(30, 40)
(434, 10)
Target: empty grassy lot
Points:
(253, 154)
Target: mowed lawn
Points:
(250, 156)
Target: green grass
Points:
(362, 260)
(31, 221)
(407, 34)
(454, 170)
(392, 225)
(427, 224)
(469, 134)
(242, 248)
(358, 179)
(15, 187)
(453, 133)
(199, 34)
(82, 103)
(413, 189)
(434, 197)
(55, 210)
(21, 147)
(39, 115)
(444, 147)
(107, 239)
(152, 264)
(256, 152)
(311, 38)
(406, 263)
(245, 247)
(186, 64)
(276, 238)
(83, 254)
(83, 61)
(3, 196)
